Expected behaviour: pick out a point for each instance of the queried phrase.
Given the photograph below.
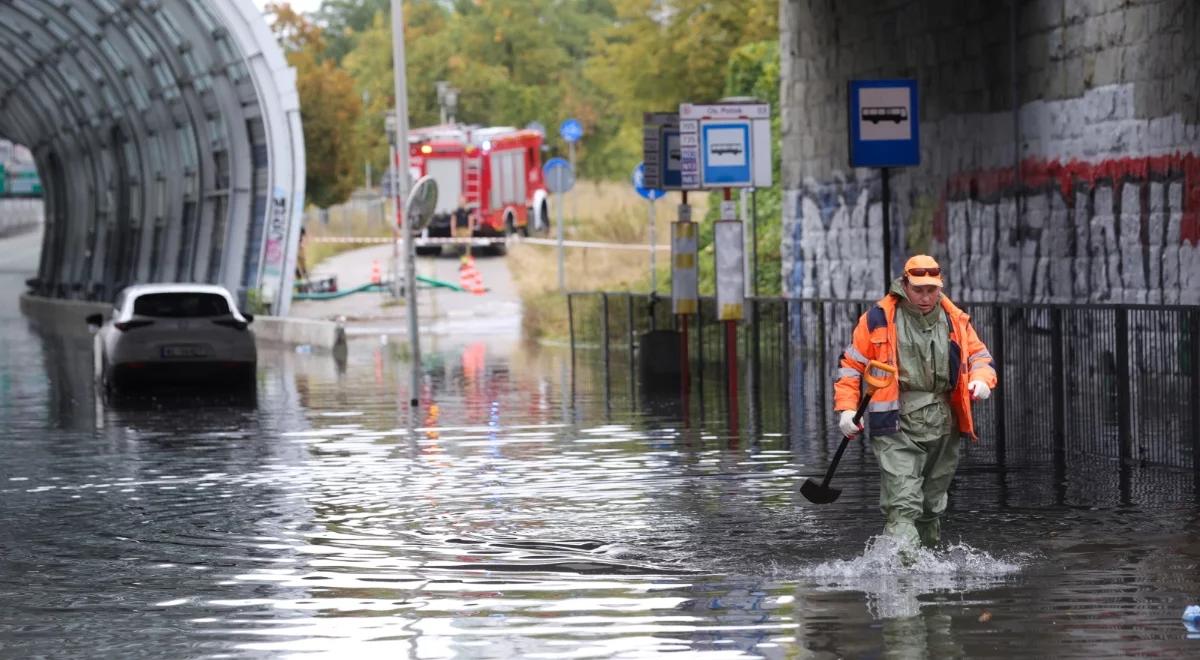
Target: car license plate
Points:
(184, 351)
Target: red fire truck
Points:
(489, 182)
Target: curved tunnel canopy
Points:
(167, 135)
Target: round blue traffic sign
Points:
(570, 130)
(558, 175)
(639, 178)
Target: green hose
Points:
(373, 288)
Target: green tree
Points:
(329, 109)
(512, 61)
(369, 63)
(753, 71)
(660, 53)
(343, 19)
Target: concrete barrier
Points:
(69, 317)
(325, 335)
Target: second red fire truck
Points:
(489, 181)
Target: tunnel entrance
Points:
(167, 139)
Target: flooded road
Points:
(518, 514)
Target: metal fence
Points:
(1112, 381)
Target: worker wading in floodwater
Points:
(916, 421)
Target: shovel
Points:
(823, 493)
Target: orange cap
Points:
(923, 270)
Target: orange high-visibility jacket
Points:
(875, 339)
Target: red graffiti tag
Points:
(1075, 175)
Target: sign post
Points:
(560, 178)
(725, 146)
(571, 131)
(884, 133)
(418, 211)
(663, 168)
(651, 195)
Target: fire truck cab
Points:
(489, 182)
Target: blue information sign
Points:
(558, 175)
(884, 123)
(725, 153)
(639, 174)
(570, 130)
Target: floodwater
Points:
(517, 513)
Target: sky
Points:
(303, 6)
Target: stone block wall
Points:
(1060, 156)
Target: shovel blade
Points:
(815, 493)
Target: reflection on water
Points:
(517, 512)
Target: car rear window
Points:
(180, 305)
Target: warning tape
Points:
(588, 245)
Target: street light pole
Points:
(366, 100)
(402, 184)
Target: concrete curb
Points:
(69, 317)
(326, 335)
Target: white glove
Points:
(846, 424)
(979, 390)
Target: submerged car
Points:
(174, 334)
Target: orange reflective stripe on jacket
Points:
(874, 338)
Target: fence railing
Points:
(1114, 381)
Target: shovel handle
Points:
(862, 407)
(873, 383)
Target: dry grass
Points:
(358, 217)
(605, 212)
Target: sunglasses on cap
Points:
(924, 272)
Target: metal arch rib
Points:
(78, 87)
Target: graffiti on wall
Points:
(1116, 230)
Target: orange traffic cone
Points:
(468, 277)
(376, 278)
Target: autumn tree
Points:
(330, 108)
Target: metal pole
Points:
(754, 241)
(397, 220)
(410, 288)
(401, 91)
(1124, 412)
(571, 325)
(1058, 408)
(562, 280)
(731, 361)
(632, 366)
(366, 99)
(887, 233)
(998, 364)
(1194, 373)
(604, 348)
(653, 262)
(571, 157)
(743, 211)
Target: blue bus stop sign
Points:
(571, 130)
(884, 123)
(639, 175)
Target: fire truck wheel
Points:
(429, 250)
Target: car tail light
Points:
(232, 323)
(130, 325)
